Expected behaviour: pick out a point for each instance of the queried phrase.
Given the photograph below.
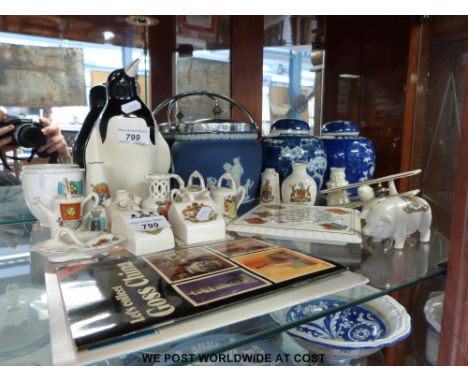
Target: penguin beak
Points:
(131, 70)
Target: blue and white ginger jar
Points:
(345, 148)
(291, 141)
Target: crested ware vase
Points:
(299, 187)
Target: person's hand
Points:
(4, 141)
(55, 142)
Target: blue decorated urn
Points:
(346, 148)
(291, 141)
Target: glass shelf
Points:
(388, 270)
(24, 335)
(13, 208)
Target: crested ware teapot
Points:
(194, 215)
(66, 214)
(192, 192)
(228, 199)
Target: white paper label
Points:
(136, 136)
(149, 223)
(204, 213)
(131, 106)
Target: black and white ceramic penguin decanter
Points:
(126, 138)
(97, 101)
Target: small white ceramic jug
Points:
(227, 200)
(160, 190)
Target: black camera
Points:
(26, 133)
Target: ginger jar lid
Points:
(289, 126)
(339, 128)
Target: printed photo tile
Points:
(240, 247)
(219, 286)
(281, 264)
(188, 263)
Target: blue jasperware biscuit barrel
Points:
(215, 146)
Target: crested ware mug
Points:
(228, 199)
(45, 181)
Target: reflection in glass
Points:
(291, 85)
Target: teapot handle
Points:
(227, 176)
(241, 190)
(178, 179)
(95, 197)
(196, 174)
(173, 194)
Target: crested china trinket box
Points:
(301, 222)
(197, 221)
(193, 214)
(145, 231)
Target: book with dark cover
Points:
(117, 298)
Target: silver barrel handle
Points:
(172, 101)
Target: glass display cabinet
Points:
(412, 103)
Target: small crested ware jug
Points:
(270, 188)
(227, 199)
(160, 190)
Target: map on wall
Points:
(34, 76)
(195, 74)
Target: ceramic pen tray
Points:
(94, 243)
(301, 222)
